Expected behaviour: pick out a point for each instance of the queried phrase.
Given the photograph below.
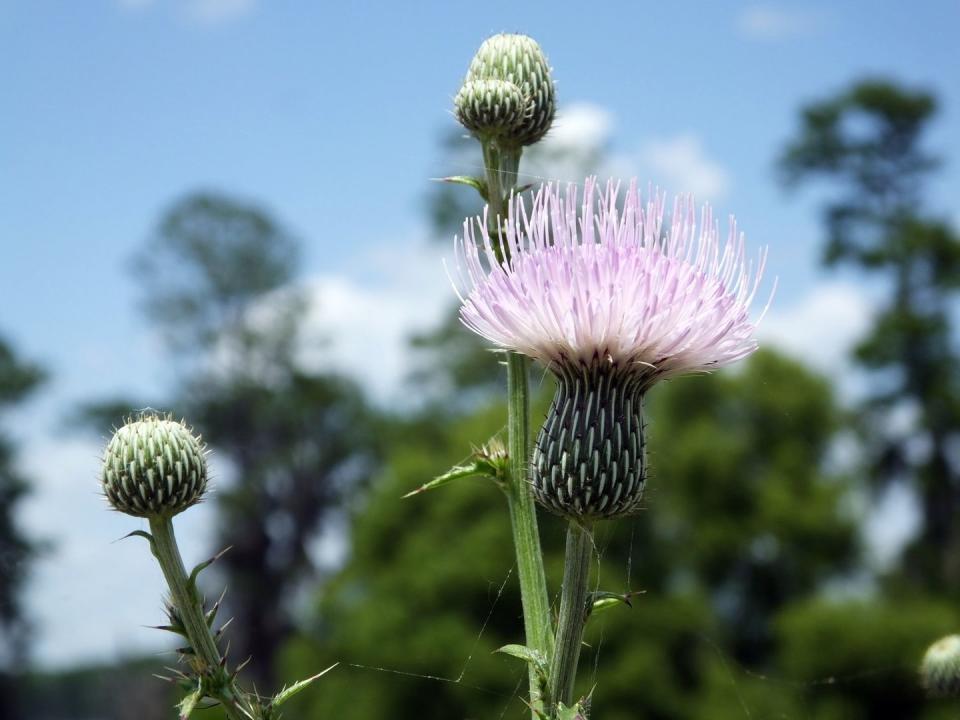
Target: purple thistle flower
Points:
(610, 303)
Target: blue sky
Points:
(330, 115)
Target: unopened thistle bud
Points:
(493, 108)
(486, 106)
(611, 305)
(940, 669)
(154, 466)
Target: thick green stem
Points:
(189, 607)
(523, 520)
(501, 166)
(573, 613)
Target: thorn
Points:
(212, 612)
(220, 554)
(241, 666)
(222, 628)
(135, 533)
(223, 660)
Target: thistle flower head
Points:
(940, 669)
(611, 302)
(508, 93)
(154, 466)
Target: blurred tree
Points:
(219, 281)
(868, 142)
(18, 379)
(742, 520)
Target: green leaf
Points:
(600, 601)
(478, 467)
(288, 692)
(192, 581)
(139, 533)
(190, 702)
(570, 713)
(534, 657)
(477, 184)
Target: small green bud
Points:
(518, 61)
(940, 669)
(154, 466)
(490, 108)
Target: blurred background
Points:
(228, 209)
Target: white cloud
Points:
(367, 317)
(213, 12)
(575, 146)
(681, 164)
(773, 22)
(579, 145)
(822, 327)
(580, 126)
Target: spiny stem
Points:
(187, 601)
(573, 613)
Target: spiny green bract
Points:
(490, 107)
(154, 466)
(518, 61)
(940, 669)
(589, 460)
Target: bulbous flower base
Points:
(589, 460)
(154, 466)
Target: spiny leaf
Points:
(601, 600)
(138, 533)
(534, 657)
(192, 581)
(169, 628)
(477, 467)
(288, 692)
(477, 184)
(570, 713)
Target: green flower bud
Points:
(490, 108)
(940, 669)
(519, 61)
(154, 466)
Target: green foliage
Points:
(18, 379)
(867, 142)
(858, 660)
(742, 521)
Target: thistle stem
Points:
(189, 607)
(573, 613)
(523, 521)
(501, 165)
